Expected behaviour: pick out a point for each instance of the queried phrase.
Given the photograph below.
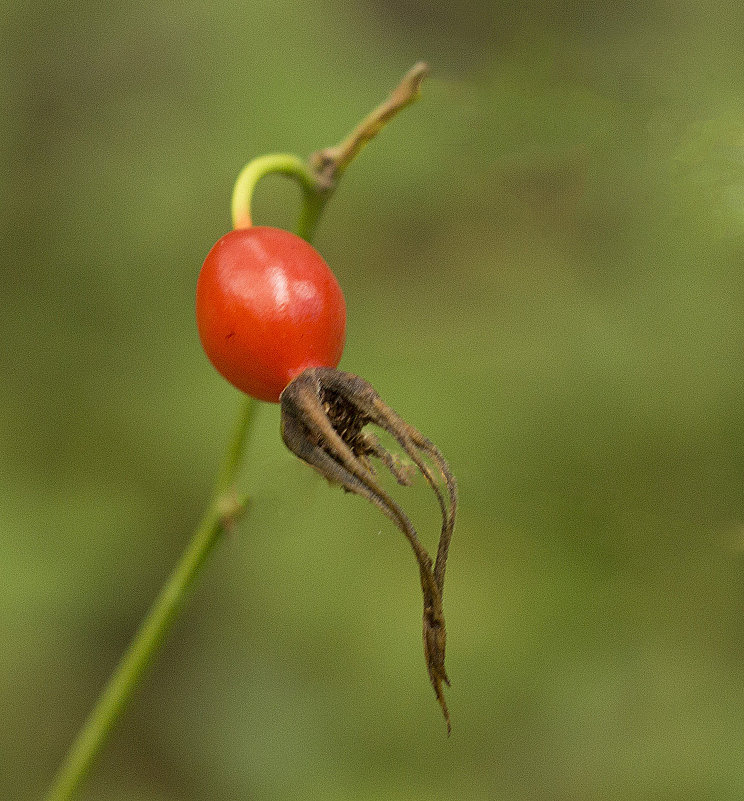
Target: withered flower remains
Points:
(324, 413)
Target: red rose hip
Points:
(267, 308)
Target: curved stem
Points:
(318, 179)
(221, 512)
(251, 174)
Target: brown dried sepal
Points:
(323, 416)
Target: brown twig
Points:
(329, 163)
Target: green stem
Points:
(222, 509)
(284, 164)
(310, 213)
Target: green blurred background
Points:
(543, 267)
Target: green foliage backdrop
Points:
(543, 267)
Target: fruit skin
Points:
(267, 308)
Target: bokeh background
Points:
(543, 267)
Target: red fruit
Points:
(268, 307)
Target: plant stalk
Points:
(317, 181)
(221, 512)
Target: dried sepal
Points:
(323, 416)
